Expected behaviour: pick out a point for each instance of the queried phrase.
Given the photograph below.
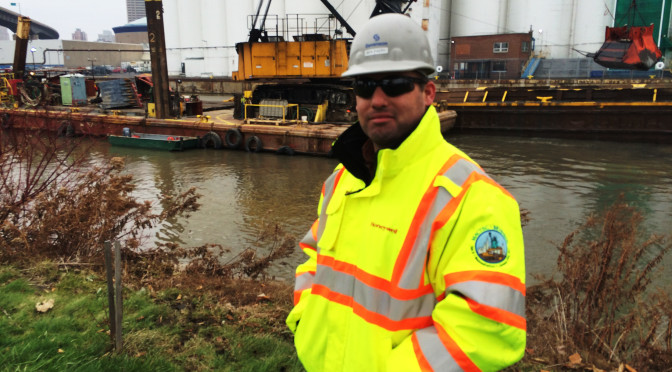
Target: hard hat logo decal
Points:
(376, 48)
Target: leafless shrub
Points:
(602, 306)
(55, 204)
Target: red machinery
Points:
(628, 47)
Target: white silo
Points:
(191, 36)
(237, 30)
(520, 17)
(214, 34)
(557, 16)
(171, 27)
(591, 19)
(475, 17)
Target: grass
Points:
(175, 329)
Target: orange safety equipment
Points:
(420, 268)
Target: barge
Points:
(216, 129)
(639, 112)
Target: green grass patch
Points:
(170, 330)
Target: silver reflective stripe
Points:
(308, 238)
(375, 300)
(494, 295)
(303, 281)
(329, 186)
(461, 170)
(436, 354)
(413, 273)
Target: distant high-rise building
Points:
(107, 36)
(135, 9)
(79, 35)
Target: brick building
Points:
(500, 56)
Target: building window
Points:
(501, 47)
(525, 47)
(498, 66)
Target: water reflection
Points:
(559, 181)
(563, 181)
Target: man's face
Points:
(386, 120)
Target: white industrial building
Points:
(201, 34)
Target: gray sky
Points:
(91, 16)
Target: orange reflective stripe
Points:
(338, 178)
(498, 315)
(297, 297)
(372, 280)
(493, 277)
(422, 361)
(413, 231)
(306, 246)
(370, 316)
(455, 351)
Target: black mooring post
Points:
(157, 52)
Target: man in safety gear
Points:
(416, 260)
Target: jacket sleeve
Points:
(476, 266)
(305, 273)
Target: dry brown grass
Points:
(603, 307)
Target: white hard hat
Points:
(390, 43)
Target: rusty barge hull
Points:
(645, 122)
(217, 130)
(311, 139)
(634, 112)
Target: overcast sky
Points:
(91, 16)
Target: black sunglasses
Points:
(392, 86)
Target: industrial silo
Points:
(475, 17)
(214, 38)
(590, 20)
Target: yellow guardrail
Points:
(284, 109)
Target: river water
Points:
(560, 181)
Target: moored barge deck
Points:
(216, 129)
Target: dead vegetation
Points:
(601, 313)
(56, 204)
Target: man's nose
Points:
(379, 98)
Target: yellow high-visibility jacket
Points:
(422, 268)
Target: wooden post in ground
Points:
(110, 286)
(114, 294)
(119, 302)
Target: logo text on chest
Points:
(377, 226)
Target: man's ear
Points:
(429, 93)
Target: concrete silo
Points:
(475, 17)
(213, 13)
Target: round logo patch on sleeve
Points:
(490, 246)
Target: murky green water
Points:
(559, 181)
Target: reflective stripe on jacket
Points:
(421, 270)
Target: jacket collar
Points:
(348, 148)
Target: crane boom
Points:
(338, 16)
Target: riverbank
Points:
(182, 323)
(202, 318)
